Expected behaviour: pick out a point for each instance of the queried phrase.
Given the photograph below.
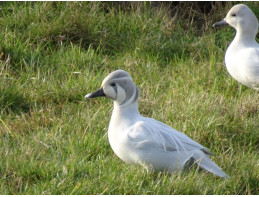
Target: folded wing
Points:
(164, 136)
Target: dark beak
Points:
(95, 94)
(220, 23)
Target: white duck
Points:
(146, 141)
(242, 55)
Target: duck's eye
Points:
(113, 84)
(233, 15)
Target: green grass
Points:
(54, 142)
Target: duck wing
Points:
(150, 130)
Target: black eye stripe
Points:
(113, 84)
(116, 92)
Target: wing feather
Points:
(156, 133)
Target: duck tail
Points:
(207, 164)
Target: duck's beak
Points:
(98, 93)
(220, 23)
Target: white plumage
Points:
(242, 55)
(140, 140)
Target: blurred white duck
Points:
(242, 55)
(146, 141)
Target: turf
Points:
(53, 53)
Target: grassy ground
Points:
(54, 142)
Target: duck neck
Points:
(245, 37)
(126, 110)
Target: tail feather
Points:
(207, 164)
